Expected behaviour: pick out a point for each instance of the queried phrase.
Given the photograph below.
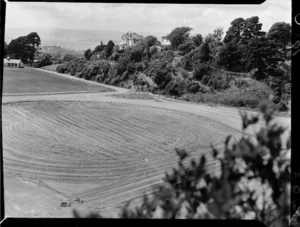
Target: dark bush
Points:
(46, 61)
(200, 71)
(176, 87)
(186, 47)
(62, 68)
(68, 58)
(217, 81)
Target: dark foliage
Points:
(24, 47)
(46, 61)
(178, 36)
(88, 54)
(200, 71)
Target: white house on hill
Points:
(165, 41)
(16, 63)
(130, 39)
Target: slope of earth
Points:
(28, 80)
(100, 148)
(103, 153)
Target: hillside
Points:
(160, 76)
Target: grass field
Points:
(28, 80)
(103, 153)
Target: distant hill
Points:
(74, 39)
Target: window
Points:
(8, 64)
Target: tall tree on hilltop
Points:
(99, 48)
(88, 54)
(243, 30)
(109, 48)
(235, 30)
(35, 41)
(203, 54)
(280, 34)
(20, 48)
(230, 57)
(245, 33)
(215, 43)
(178, 36)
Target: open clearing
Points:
(113, 151)
(30, 80)
(99, 148)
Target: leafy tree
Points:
(34, 40)
(261, 55)
(24, 47)
(215, 43)
(235, 30)
(197, 39)
(281, 32)
(186, 47)
(243, 30)
(109, 48)
(203, 54)
(88, 54)
(230, 57)
(178, 36)
(251, 29)
(137, 51)
(99, 48)
(20, 48)
(280, 35)
(150, 41)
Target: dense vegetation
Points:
(23, 47)
(251, 179)
(238, 70)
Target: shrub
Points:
(201, 71)
(68, 58)
(46, 61)
(176, 87)
(186, 47)
(217, 81)
(61, 68)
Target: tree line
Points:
(23, 47)
(208, 67)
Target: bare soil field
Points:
(99, 148)
(110, 152)
(29, 80)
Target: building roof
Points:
(130, 35)
(12, 61)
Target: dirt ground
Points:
(103, 148)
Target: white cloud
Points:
(142, 17)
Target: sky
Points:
(156, 18)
